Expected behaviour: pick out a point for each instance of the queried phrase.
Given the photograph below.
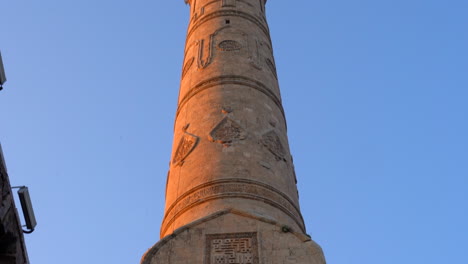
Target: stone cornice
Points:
(148, 256)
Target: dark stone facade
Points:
(12, 246)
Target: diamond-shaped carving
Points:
(187, 144)
(273, 143)
(227, 131)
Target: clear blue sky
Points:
(375, 94)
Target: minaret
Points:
(231, 194)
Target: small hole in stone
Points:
(228, 21)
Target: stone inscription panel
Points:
(234, 248)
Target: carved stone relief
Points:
(205, 53)
(273, 143)
(187, 144)
(232, 188)
(224, 39)
(227, 131)
(229, 45)
(264, 164)
(233, 248)
(187, 66)
(194, 6)
(255, 57)
(198, 20)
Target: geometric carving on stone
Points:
(187, 66)
(205, 50)
(255, 57)
(231, 188)
(227, 131)
(229, 45)
(187, 144)
(205, 54)
(273, 143)
(234, 248)
(202, 11)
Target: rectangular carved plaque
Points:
(234, 248)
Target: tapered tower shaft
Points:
(230, 146)
(231, 173)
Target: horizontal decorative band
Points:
(232, 188)
(230, 79)
(233, 13)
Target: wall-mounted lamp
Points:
(27, 208)
(2, 73)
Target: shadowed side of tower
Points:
(231, 194)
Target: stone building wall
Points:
(12, 246)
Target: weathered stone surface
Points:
(237, 237)
(236, 156)
(229, 95)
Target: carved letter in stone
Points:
(236, 248)
(255, 54)
(273, 143)
(225, 38)
(227, 131)
(205, 53)
(187, 144)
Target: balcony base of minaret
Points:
(232, 236)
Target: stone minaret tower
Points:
(231, 194)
